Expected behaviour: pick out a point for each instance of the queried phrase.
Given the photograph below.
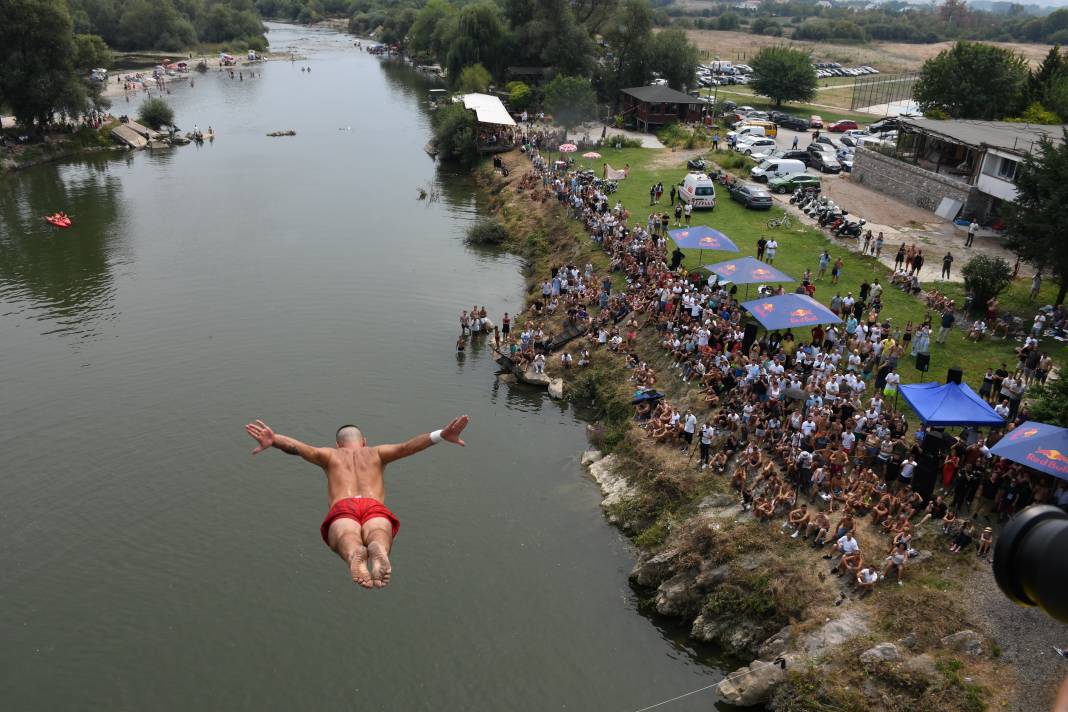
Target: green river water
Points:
(148, 562)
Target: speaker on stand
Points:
(923, 362)
(750, 335)
(955, 375)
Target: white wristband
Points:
(435, 437)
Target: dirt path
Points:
(903, 223)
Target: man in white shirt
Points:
(689, 427)
(908, 466)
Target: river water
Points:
(147, 561)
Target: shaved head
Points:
(350, 434)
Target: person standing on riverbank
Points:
(358, 526)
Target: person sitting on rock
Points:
(897, 560)
(866, 580)
(851, 565)
(819, 524)
(986, 540)
(798, 519)
(764, 510)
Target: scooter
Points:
(852, 228)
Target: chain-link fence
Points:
(878, 89)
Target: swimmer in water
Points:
(358, 526)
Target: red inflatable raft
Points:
(59, 220)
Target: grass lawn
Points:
(800, 247)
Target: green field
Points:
(742, 95)
(800, 247)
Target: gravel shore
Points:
(1026, 637)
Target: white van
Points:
(777, 168)
(698, 190)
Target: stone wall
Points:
(910, 184)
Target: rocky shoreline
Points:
(739, 584)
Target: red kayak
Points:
(59, 220)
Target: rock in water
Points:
(753, 684)
(556, 388)
(591, 456)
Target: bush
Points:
(618, 140)
(986, 277)
(155, 113)
(520, 96)
(474, 79)
(456, 134)
(487, 232)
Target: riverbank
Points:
(750, 587)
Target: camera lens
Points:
(1031, 560)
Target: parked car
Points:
(788, 184)
(796, 154)
(842, 126)
(756, 145)
(884, 126)
(794, 123)
(750, 195)
(825, 162)
(815, 122)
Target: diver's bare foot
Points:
(358, 568)
(380, 564)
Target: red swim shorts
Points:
(361, 509)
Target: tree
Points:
(783, 74)
(674, 57)
(972, 80)
(478, 36)
(986, 277)
(398, 23)
(628, 35)
(37, 75)
(1037, 222)
(423, 36)
(155, 113)
(474, 79)
(546, 33)
(456, 133)
(1042, 79)
(571, 100)
(520, 96)
(1048, 402)
(90, 52)
(728, 21)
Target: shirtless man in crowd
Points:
(358, 526)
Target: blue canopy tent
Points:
(748, 270)
(703, 238)
(790, 310)
(940, 405)
(1040, 446)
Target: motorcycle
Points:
(852, 228)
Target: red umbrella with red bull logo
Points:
(1039, 446)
